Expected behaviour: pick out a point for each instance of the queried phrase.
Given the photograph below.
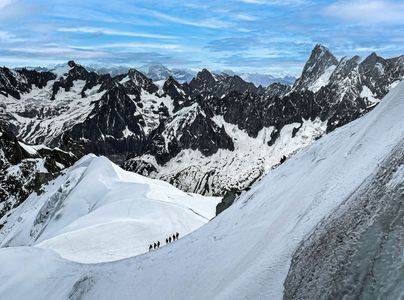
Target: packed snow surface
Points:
(246, 251)
(97, 212)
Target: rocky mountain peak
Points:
(320, 61)
(373, 58)
(142, 81)
(204, 76)
(71, 63)
(345, 67)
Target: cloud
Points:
(232, 44)
(140, 46)
(5, 3)
(114, 32)
(54, 51)
(368, 11)
(17, 10)
(244, 17)
(275, 2)
(208, 23)
(5, 35)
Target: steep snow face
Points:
(359, 245)
(322, 80)
(97, 212)
(246, 251)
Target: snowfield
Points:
(97, 212)
(244, 253)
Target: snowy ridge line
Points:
(120, 214)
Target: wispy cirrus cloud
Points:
(54, 51)
(5, 35)
(368, 11)
(213, 23)
(275, 2)
(245, 17)
(106, 31)
(140, 46)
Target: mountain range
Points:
(158, 72)
(214, 134)
(326, 224)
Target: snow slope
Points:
(98, 212)
(246, 251)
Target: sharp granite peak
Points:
(215, 133)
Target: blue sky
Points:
(265, 36)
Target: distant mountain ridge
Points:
(216, 133)
(159, 72)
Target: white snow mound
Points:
(97, 212)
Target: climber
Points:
(177, 235)
(158, 244)
(283, 158)
(169, 239)
(155, 245)
(151, 247)
(166, 241)
(173, 237)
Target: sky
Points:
(263, 36)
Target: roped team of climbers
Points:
(170, 239)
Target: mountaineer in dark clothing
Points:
(155, 245)
(177, 235)
(158, 244)
(283, 158)
(166, 241)
(169, 239)
(173, 237)
(151, 247)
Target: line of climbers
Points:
(170, 239)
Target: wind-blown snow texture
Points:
(98, 212)
(247, 250)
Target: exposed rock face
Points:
(208, 85)
(276, 90)
(356, 253)
(319, 61)
(230, 131)
(227, 201)
(23, 168)
(114, 126)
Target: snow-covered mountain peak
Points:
(158, 72)
(320, 62)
